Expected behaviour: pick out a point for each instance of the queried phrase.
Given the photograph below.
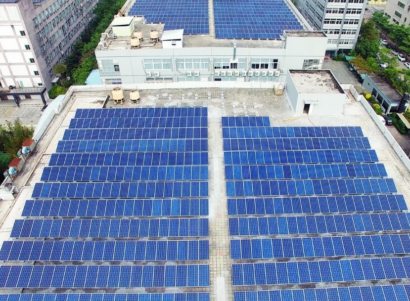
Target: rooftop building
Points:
(398, 12)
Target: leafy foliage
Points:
(59, 69)
(56, 90)
(400, 126)
(5, 160)
(12, 136)
(368, 45)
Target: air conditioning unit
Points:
(196, 73)
(217, 73)
(148, 74)
(277, 73)
(257, 73)
(188, 73)
(264, 73)
(243, 73)
(270, 73)
(229, 73)
(156, 74)
(223, 73)
(250, 73)
(236, 73)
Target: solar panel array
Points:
(123, 204)
(260, 19)
(312, 206)
(192, 16)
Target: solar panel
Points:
(324, 204)
(117, 207)
(104, 228)
(356, 293)
(290, 132)
(248, 121)
(253, 19)
(314, 247)
(104, 276)
(105, 250)
(108, 297)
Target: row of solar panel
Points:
(300, 157)
(317, 171)
(322, 271)
(107, 297)
(121, 190)
(245, 121)
(138, 122)
(105, 250)
(113, 174)
(105, 228)
(92, 208)
(141, 112)
(320, 246)
(129, 159)
(290, 132)
(291, 143)
(309, 187)
(111, 134)
(364, 293)
(139, 145)
(328, 204)
(104, 276)
(346, 223)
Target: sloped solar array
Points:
(262, 19)
(312, 206)
(192, 16)
(123, 205)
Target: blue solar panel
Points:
(139, 122)
(311, 247)
(140, 145)
(115, 174)
(94, 190)
(300, 157)
(245, 121)
(253, 19)
(117, 207)
(318, 171)
(105, 250)
(323, 271)
(125, 134)
(192, 16)
(346, 223)
(295, 143)
(141, 112)
(104, 276)
(290, 132)
(105, 228)
(129, 159)
(108, 297)
(356, 293)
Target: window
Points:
(39, 84)
(27, 47)
(31, 60)
(397, 14)
(193, 64)
(36, 73)
(264, 63)
(116, 68)
(402, 5)
(113, 81)
(158, 64)
(311, 64)
(189, 79)
(22, 33)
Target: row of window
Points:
(343, 31)
(349, 11)
(344, 1)
(341, 41)
(339, 21)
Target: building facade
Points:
(339, 19)
(35, 35)
(398, 11)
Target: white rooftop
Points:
(122, 21)
(172, 35)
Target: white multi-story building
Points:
(35, 35)
(398, 11)
(339, 19)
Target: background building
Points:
(398, 11)
(339, 19)
(35, 35)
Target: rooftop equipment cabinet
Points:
(173, 39)
(123, 26)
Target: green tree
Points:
(56, 91)
(368, 44)
(59, 69)
(12, 136)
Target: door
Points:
(306, 108)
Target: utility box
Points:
(28, 144)
(123, 26)
(17, 164)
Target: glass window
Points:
(264, 63)
(311, 64)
